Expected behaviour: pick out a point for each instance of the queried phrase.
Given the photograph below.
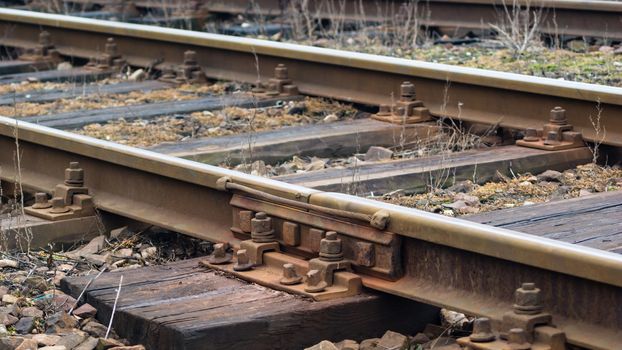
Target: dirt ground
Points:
(523, 189)
(228, 121)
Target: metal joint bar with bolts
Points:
(379, 219)
(261, 261)
(524, 327)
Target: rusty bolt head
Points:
(482, 331)
(261, 228)
(531, 135)
(281, 72)
(330, 247)
(261, 223)
(58, 206)
(243, 262)
(45, 39)
(219, 255)
(407, 91)
(315, 284)
(290, 276)
(517, 340)
(527, 300)
(41, 201)
(190, 57)
(558, 116)
(74, 175)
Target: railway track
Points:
(567, 18)
(461, 265)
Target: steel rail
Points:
(449, 262)
(601, 19)
(474, 95)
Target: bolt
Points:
(243, 263)
(41, 201)
(290, 276)
(220, 255)
(111, 47)
(261, 228)
(315, 284)
(558, 116)
(58, 206)
(482, 331)
(280, 72)
(330, 247)
(190, 58)
(407, 91)
(45, 39)
(527, 300)
(517, 340)
(531, 135)
(74, 175)
(552, 138)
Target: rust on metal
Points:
(378, 255)
(189, 72)
(407, 110)
(283, 272)
(110, 59)
(290, 276)
(331, 259)
(567, 17)
(71, 199)
(279, 85)
(262, 238)
(220, 255)
(426, 257)
(43, 52)
(473, 95)
(525, 327)
(556, 135)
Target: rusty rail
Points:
(438, 260)
(559, 17)
(474, 95)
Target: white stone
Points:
(64, 66)
(137, 75)
(46, 339)
(9, 299)
(9, 263)
(148, 252)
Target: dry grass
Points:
(518, 191)
(228, 121)
(98, 101)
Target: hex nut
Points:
(527, 300)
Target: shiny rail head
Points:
(436, 71)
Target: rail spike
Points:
(555, 135)
(70, 199)
(407, 110)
